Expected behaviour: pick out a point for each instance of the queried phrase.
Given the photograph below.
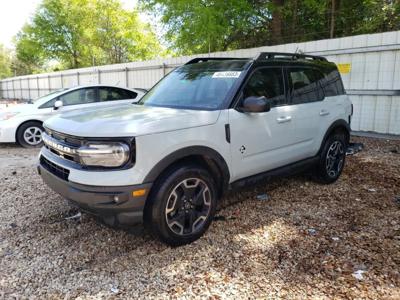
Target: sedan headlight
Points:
(104, 154)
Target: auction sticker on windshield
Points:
(226, 74)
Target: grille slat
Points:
(69, 142)
(53, 168)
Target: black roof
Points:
(274, 59)
(265, 57)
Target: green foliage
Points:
(77, 33)
(80, 33)
(120, 35)
(200, 26)
(29, 57)
(5, 62)
(206, 25)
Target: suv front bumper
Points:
(114, 204)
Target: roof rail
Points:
(291, 56)
(204, 59)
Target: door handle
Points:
(324, 112)
(284, 119)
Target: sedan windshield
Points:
(203, 85)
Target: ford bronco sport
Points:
(208, 126)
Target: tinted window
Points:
(113, 94)
(332, 83)
(81, 96)
(266, 82)
(305, 85)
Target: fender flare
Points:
(335, 125)
(175, 156)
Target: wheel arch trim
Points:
(342, 124)
(186, 152)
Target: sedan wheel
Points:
(33, 136)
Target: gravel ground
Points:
(305, 241)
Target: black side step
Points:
(291, 169)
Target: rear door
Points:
(114, 95)
(308, 113)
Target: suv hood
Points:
(134, 120)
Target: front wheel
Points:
(332, 159)
(182, 206)
(29, 134)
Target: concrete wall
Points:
(372, 78)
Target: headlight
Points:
(8, 115)
(104, 155)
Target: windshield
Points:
(201, 85)
(47, 97)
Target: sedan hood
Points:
(18, 108)
(133, 120)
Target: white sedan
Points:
(22, 123)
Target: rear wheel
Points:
(182, 206)
(332, 159)
(29, 134)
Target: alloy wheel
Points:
(188, 206)
(335, 159)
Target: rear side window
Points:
(267, 82)
(305, 85)
(81, 96)
(114, 94)
(332, 83)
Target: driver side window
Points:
(81, 96)
(267, 82)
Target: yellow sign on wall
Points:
(344, 68)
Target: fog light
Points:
(116, 199)
(139, 193)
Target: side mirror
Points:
(256, 104)
(58, 104)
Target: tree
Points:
(29, 56)
(207, 25)
(120, 35)
(200, 26)
(79, 33)
(277, 21)
(5, 62)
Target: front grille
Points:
(54, 169)
(62, 145)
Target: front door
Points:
(262, 141)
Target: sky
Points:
(15, 13)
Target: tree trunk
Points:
(333, 12)
(293, 30)
(276, 23)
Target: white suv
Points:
(210, 125)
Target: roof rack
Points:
(204, 59)
(283, 55)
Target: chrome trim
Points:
(57, 145)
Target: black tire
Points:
(28, 134)
(332, 159)
(178, 216)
